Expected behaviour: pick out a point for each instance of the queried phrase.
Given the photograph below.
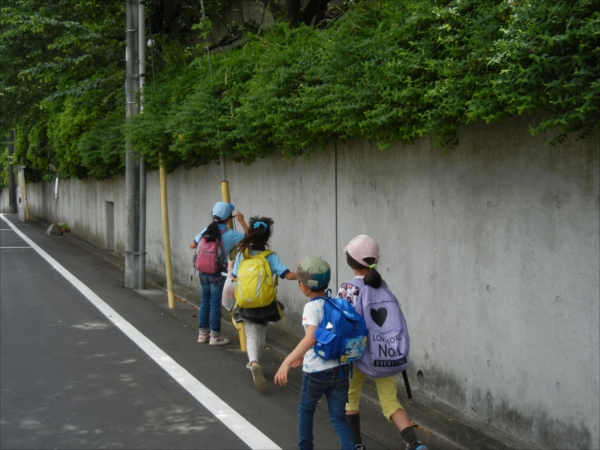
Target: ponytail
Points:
(259, 232)
(212, 232)
(373, 278)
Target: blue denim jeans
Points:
(335, 387)
(211, 290)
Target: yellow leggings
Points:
(386, 390)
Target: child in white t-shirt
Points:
(319, 376)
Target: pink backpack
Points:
(211, 256)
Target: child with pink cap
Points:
(365, 289)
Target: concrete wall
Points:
(82, 204)
(4, 201)
(492, 249)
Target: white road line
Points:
(253, 437)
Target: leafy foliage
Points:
(387, 70)
(60, 71)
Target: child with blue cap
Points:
(211, 284)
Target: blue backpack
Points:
(389, 343)
(342, 334)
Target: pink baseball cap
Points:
(362, 247)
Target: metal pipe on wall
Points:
(142, 80)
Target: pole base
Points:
(241, 332)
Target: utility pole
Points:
(132, 86)
(12, 184)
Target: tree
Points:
(62, 77)
(59, 61)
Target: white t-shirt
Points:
(312, 315)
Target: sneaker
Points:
(203, 337)
(259, 379)
(218, 340)
(360, 447)
(416, 445)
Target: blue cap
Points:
(223, 210)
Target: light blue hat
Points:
(223, 210)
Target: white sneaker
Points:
(259, 379)
(203, 337)
(218, 340)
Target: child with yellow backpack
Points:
(255, 291)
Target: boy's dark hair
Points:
(259, 232)
(212, 231)
(373, 278)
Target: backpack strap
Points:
(265, 253)
(194, 263)
(358, 282)
(406, 384)
(221, 244)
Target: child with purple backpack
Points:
(387, 349)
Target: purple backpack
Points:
(388, 344)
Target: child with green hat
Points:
(319, 376)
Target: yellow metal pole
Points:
(225, 197)
(166, 235)
(238, 325)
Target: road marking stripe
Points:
(247, 432)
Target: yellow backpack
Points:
(255, 287)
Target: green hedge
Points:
(387, 71)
